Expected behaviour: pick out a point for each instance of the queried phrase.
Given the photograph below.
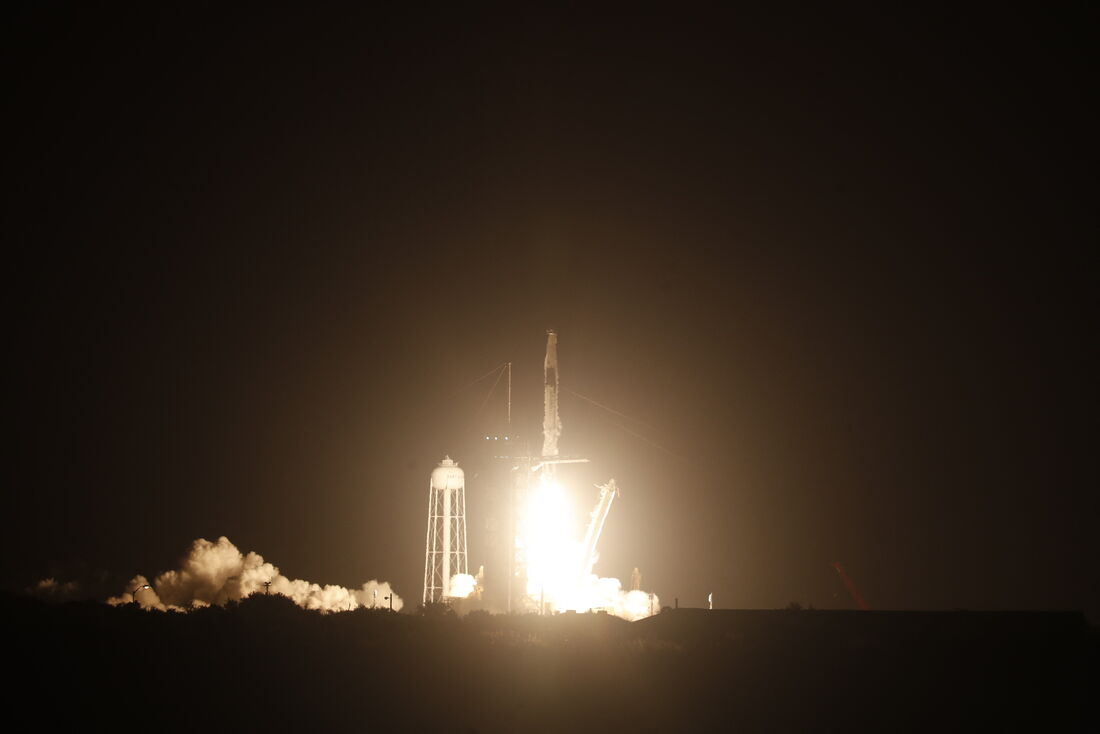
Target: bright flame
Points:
(462, 585)
(557, 575)
(547, 532)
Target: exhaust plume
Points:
(462, 585)
(217, 572)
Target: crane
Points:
(851, 586)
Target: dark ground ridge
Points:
(265, 663)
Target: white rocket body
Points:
(551, 421)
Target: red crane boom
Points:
(851, 586)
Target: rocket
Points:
(551, 421)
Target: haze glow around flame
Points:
(556, 572)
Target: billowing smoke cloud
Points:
(217, 572)
(608, 594)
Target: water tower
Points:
(445, 551)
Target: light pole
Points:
(390, 597)
(267, 588)
(133, 592)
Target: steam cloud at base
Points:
(608, 594)
(217, 572)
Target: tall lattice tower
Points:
(445, 548)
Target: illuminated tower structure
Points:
(445, 545)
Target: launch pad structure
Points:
(527, 473)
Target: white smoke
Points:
(630, 605)
(462, 585)
(597, 593)
(215, 573)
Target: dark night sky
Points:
(839, 263)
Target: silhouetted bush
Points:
(435, 609)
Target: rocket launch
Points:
(552, 570)
(551, 421)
